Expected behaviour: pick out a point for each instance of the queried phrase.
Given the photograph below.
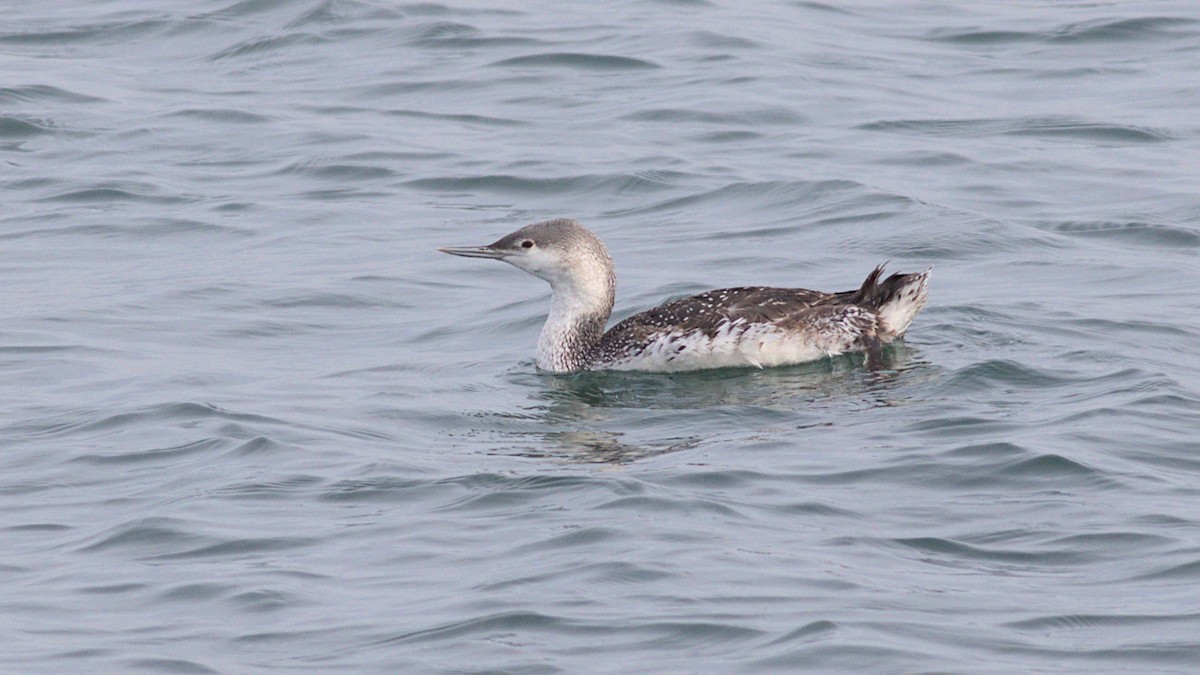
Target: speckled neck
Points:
(583, 298)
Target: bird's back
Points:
(762, 326)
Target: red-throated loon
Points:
(749, 326)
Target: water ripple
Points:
(602, 62)
(16, 128)
(1154, 28)
(41, 93)
(454, 35)
(1052, 127)
(752, 118)
(266, 45)
(508, 184)
(250, 419)
(1124, 233)
(103, 33)
(1115, 621)
(457, 118)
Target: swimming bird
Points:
(753, 326)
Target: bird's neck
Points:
(579, 311)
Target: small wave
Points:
(194, 591)
(578, 61)
(255, 46)
(338, 171)
(524, 621)
(43, 93)
(113, 193)
(460, 492)
(575, 538)
(97, 421)
(686, 3)
(983, 37)
(256, 446)
(1101, 30)
(459, 118)
(454, 35)
(1188, 572)
(245, 9)
(1096, 131)
(1051, 467)
(1157, 235)
(711, 40)
(372, 93)
(988, 467)
(970, 426)
(770, 196)
(164, 454)
(114, 589)
(1085, 621)
(266, 328)
(1113, 543)
(986, 375)
(822, 7)
(1040, 127)
(144, 533)
(39, 527)
(238, 548)
(940, 546)
(849, 656)
(652, 504)
(994, 450)
(457, 9)
(615, 573)
(752, 117)
(383, 489)
(718, 480)
(806, 633)
(1153, 28)
(327, 300)
(1134, 329)
(18, 128)
(813, 508)
(222, 115)
(606, 184)
(927, 158)
(265, 600)
(729, 137)
(158, 228)
(159, 665)
(503, 492)
(111, 32)
(677, 634)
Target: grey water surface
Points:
(251, 420)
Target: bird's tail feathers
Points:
(896, 300)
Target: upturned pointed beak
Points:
(473, 251)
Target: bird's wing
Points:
(704, 312)
(823, 319)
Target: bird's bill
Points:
(473, 251)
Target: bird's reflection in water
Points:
(600, 447)
(594, 417)
(577, 396)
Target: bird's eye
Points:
(527, 244)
